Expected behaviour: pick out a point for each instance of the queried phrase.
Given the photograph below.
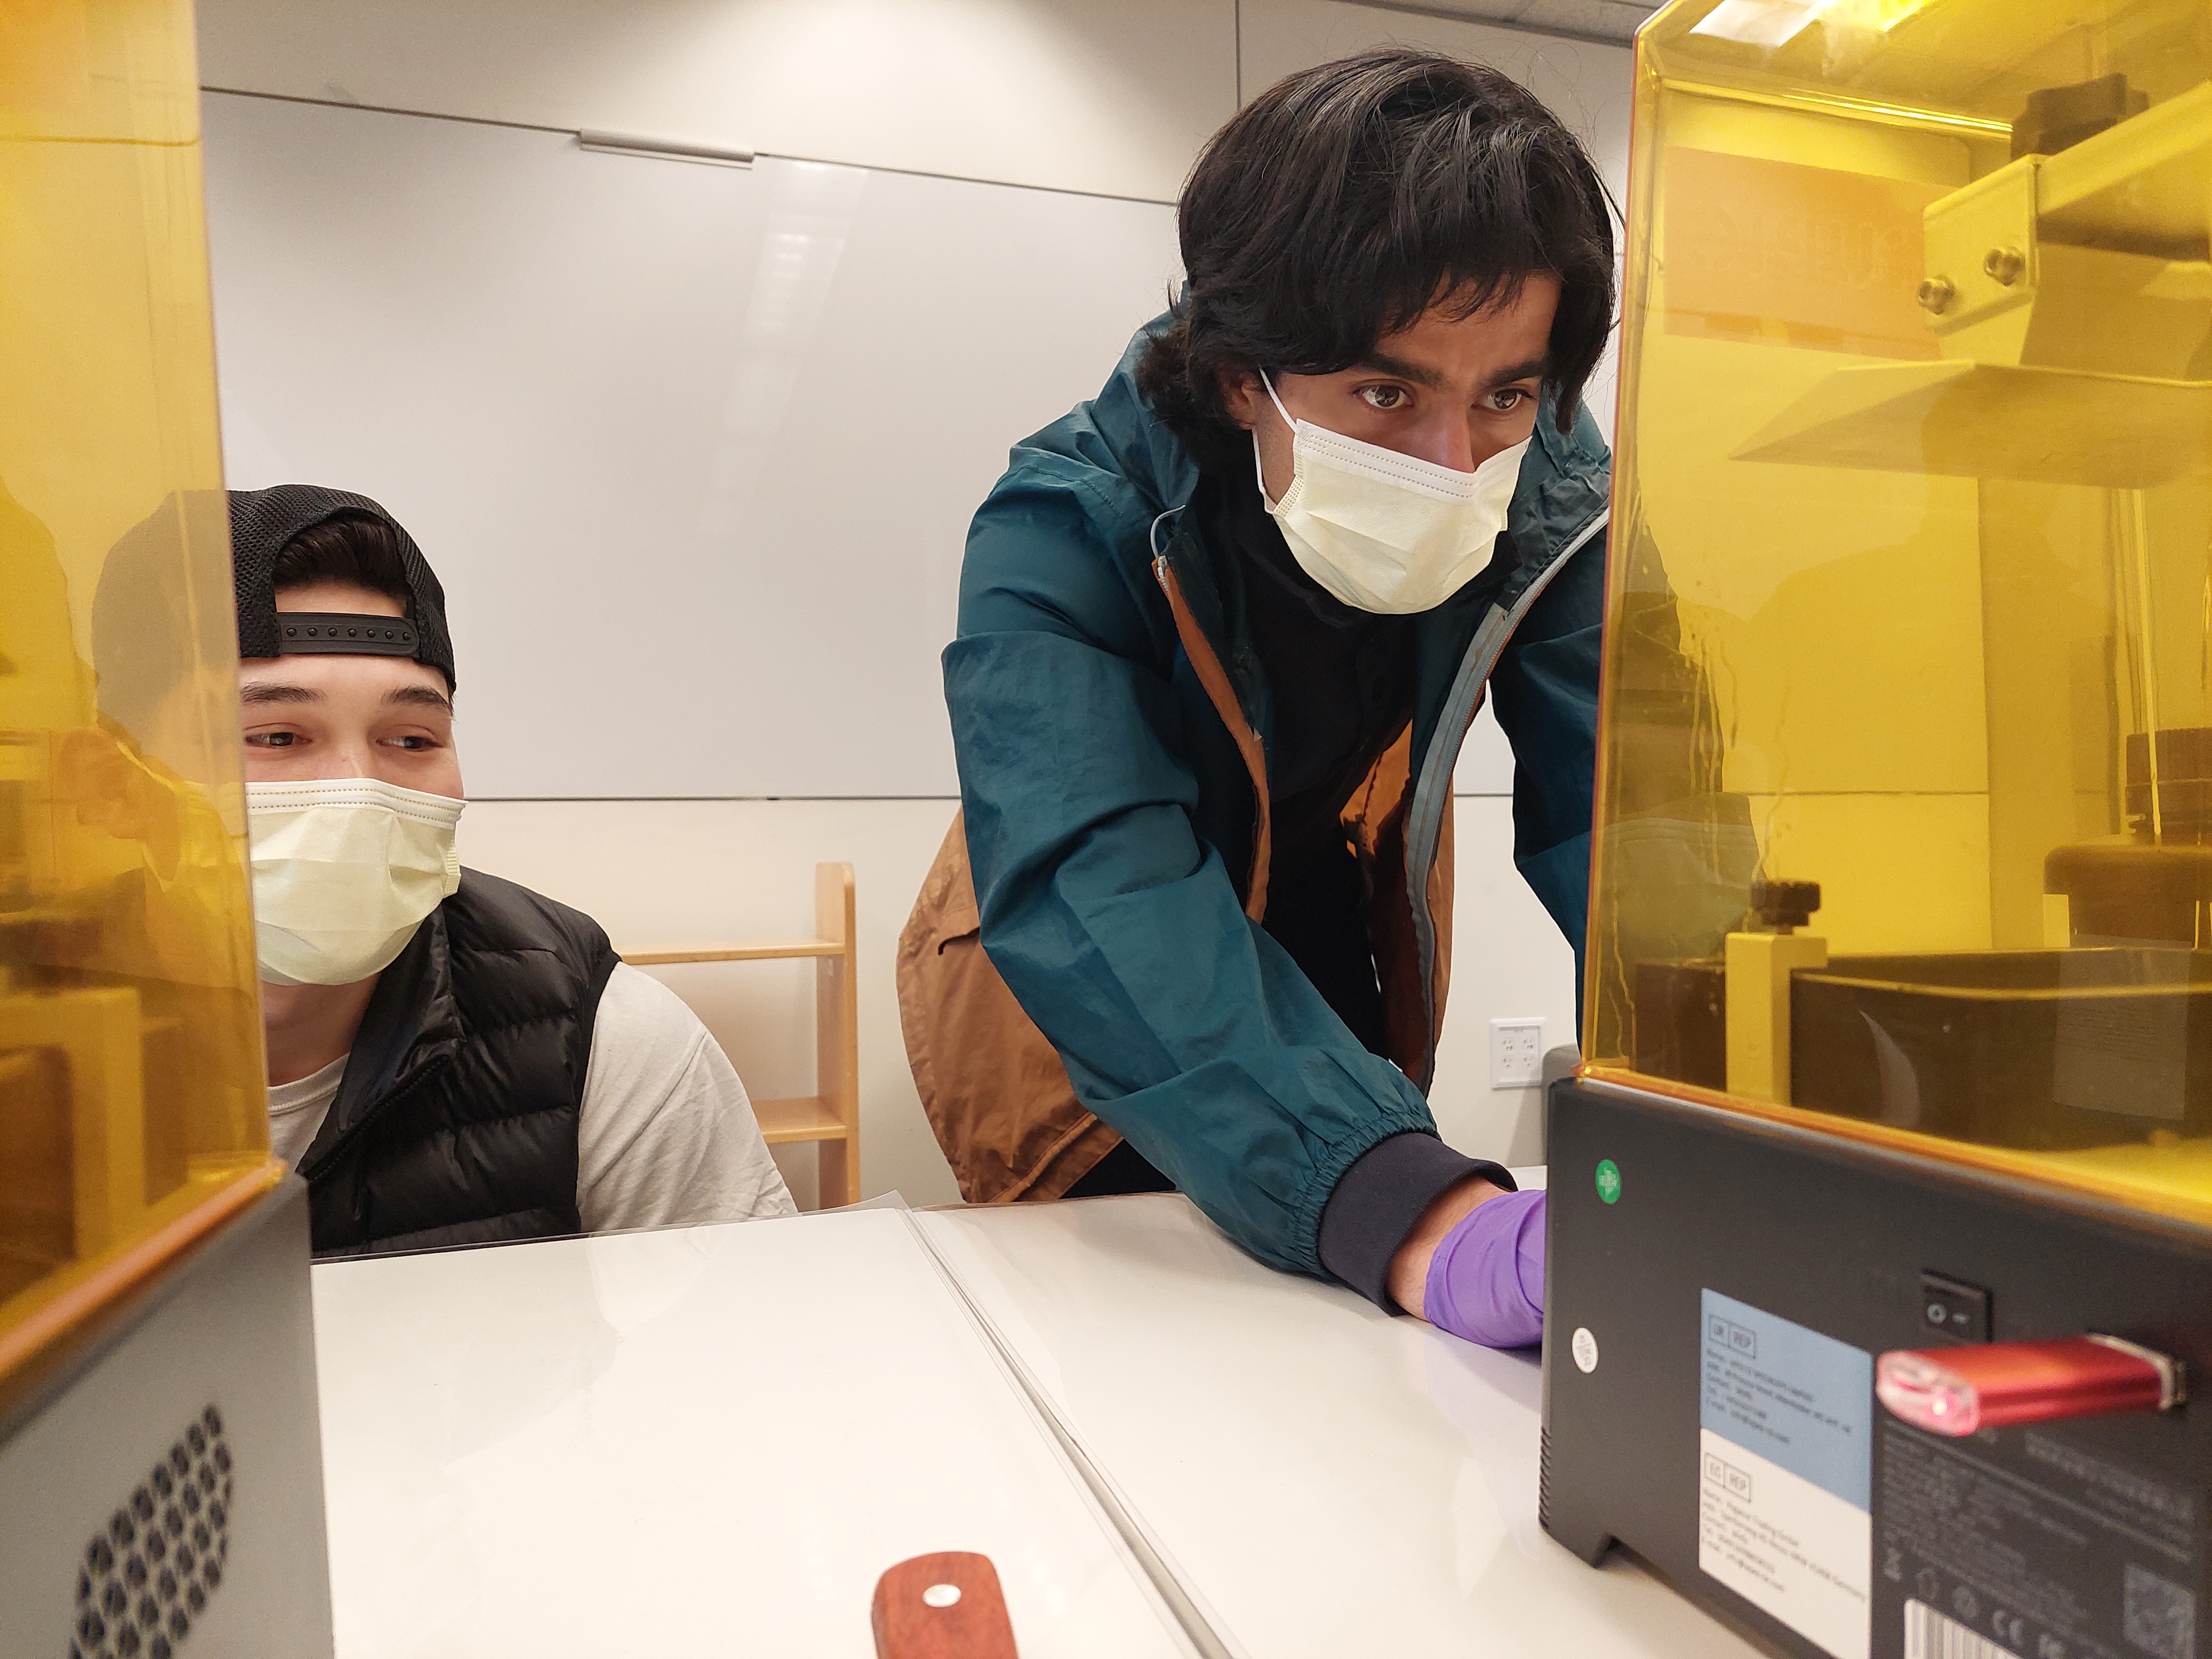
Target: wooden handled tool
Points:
(946, 1605)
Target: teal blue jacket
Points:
(1111, 721)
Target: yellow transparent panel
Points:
(1910, 593)
(131, 1073)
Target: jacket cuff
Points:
(1380, 1198)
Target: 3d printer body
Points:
(160, 1488)
(1881, 1224)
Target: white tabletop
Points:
(702, 1442)
(713, 1441)
(1326, 1478)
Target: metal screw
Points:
(2005, 264)
(1935, 295)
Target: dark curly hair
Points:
(1342, 203)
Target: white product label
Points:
(1584, 1349)
(1784, 1472)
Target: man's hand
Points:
(1409, 1268)
(1474, 1265)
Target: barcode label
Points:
(1930, 1635)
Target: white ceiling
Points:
(1596, 20)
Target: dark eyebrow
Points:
(266, 691)
(1381, 363)
(1530, 368)
(421, 696)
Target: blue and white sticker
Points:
(1785, 1472)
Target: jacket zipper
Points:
(1424, 819)
(355, 1130)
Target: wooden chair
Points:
(830, 1117)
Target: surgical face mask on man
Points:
(344, 871)
(1382, 531)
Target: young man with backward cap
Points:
(453, 1058)
(1222, 631)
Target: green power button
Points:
(1608, 1181)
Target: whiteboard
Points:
(693, 447)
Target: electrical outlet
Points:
(1516, 1054)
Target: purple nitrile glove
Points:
(1487, 1279)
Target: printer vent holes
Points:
(145, 1576)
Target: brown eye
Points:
(1382, 396)
(1505, 401)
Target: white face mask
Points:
(345, 870)
(1384, 532)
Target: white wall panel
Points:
(694, 448)
(1113, 96)
(1508, 961)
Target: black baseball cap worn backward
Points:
(263, 523)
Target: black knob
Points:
(1785, 904)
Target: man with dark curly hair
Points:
(1222, 631)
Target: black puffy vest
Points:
(456, 1121)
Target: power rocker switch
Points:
(1953, 1308)
(1961, 1391)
